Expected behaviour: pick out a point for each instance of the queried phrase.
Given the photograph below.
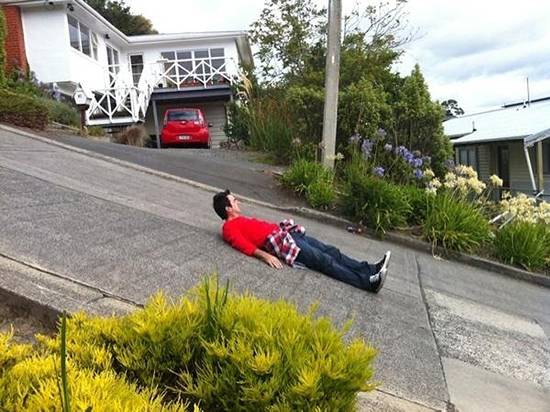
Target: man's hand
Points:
(268, 258)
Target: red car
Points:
(185, 127)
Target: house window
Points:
(74, 34)
(81, 38)
(113, 64)
(467, 156)
(85, 40)
(136, 66)
(95, 44)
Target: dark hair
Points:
(221, 202)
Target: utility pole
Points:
(332, 77)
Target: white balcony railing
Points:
(124, 102)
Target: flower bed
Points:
(384, 187)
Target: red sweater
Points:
(247, 234)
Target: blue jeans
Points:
(330, 261)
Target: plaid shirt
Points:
(281, 244)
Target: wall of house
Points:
(16, 57)
(47, 42)
(520, 179)
(51, 56)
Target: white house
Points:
(129, 78)
(511, 141)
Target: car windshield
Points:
(183, 115)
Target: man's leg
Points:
(316, 259)
(343, 259)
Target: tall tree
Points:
(118, 13)
(418, 121)
(452, 109)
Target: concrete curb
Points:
(394, 237)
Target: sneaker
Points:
(380, 264)
(377, 280)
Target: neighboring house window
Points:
(81, 38)
(467, 156)
(184, 66)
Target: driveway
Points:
(240, 171)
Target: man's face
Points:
(235, 205)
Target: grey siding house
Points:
(499, 141)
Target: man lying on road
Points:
(270, 242)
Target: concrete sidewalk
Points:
(79, 232)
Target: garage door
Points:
(215, 114)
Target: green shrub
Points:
(96, 131)
(270, 129)
(455, 224)
(23, 110)
(524, 244)
(320, 194)
(379, 204)
(236, 126)
(419, 200)
(302, 173)
(61, 112)
(218, 350)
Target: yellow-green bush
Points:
(213, 349)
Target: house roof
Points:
(240, 37)
(507, 123)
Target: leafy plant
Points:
(302, 173)
(524, 244)
(419, 201)
(212, 348)
(61, 112)
(320, 194)
(22, 110)
(380, 204)
(455, 224)
(96, 131)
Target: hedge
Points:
(23, 110)
(214, 349)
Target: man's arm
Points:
(268, 258)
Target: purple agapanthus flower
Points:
(418, 173)
(416, 163)
(354, 139)
(401, 151)
(381, 133)
(366, 148)
(388, 147)
(378, 171)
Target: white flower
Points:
(429, 173)
(496, 181)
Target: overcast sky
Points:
(478, 52)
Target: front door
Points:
(503, 165)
